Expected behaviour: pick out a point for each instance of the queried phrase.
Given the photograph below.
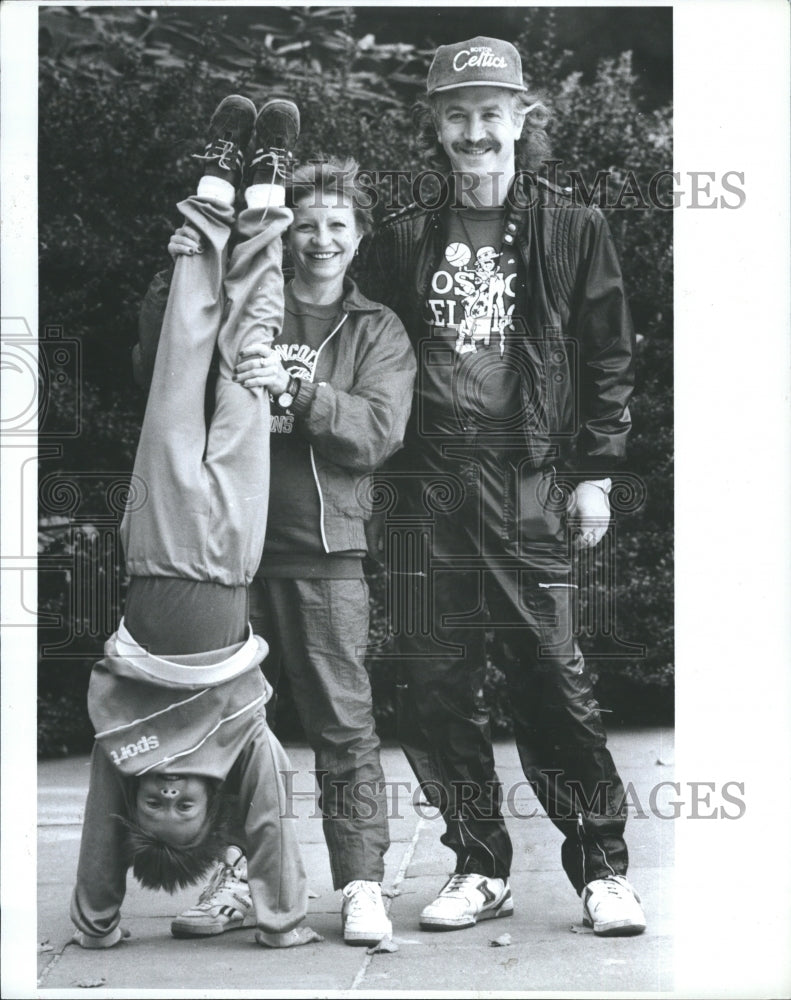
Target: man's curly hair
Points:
(532, 149)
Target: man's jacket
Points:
(571, 310)
(354, 413)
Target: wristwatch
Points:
(285, 399)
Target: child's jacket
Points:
(198, 714)
(186, 714)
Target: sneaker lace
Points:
(459, 883)
(222, 151)
(612, 887)
(279, 160)
(224, 877)
(358, 893)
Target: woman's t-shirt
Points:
(293, 546)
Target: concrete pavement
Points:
(549, 949)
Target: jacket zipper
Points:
(326, 340)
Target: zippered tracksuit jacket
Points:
(195, 526)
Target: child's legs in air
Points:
(204, 512)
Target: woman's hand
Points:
(260, 364)
(184, 242)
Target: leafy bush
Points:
(124, 97)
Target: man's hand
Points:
(108, 941)
(260, 364)
(184, 242)
(589, 510)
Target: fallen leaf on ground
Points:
(501, 942)
(87, 984)
(386, 944)
(45, 946)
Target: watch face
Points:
(285, 399)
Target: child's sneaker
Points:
(224, 905)
(276, 134)
(364, 919)
(230, 129)
(612, 908)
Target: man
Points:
(513, 298)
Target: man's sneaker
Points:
(224, 905)
(466, 899)
(363, 912)
(230, 129)
(276, 134)
(612, 908)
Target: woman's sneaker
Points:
(230, 130)
(364, 919)
(276, 134)
(224, 905)
(466, 899)
(612, 908)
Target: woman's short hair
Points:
(328, 177)
(532, 149)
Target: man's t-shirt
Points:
(293, 546)
(468, 370)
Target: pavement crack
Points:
(388, 900)
(49, 967)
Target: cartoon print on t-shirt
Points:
(482, 292)
(483, 298)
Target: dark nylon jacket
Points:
(571, 309)
(353, 414)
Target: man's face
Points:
(172, 807)
(477, 129)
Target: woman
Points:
(340, 375)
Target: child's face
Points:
(172, 806)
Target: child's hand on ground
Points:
(184, 242)
(107, 941)
(287, 939)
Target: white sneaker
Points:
(612, 908)
(224, 905)
(466, 899)
(363, 913)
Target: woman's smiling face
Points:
(323, 238)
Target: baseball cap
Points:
(479, 62)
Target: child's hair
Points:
(157, 864)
